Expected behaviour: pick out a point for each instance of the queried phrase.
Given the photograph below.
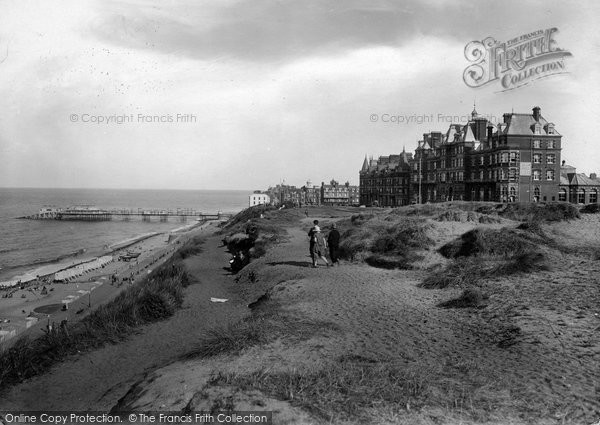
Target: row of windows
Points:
(402, 190)
(387, 182)
(538, 157)
(593, 197)
(537, 175)
(538, 144)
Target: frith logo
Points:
(515, 62)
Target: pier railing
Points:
(125, 214)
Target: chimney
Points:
(593, 176)
(479, 128)
(490, 131)
(563, 163)
(536, 113)
(506, 117)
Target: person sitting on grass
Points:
(317, 244)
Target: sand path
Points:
(98, 379)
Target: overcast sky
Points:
(280, 90)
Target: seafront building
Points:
(517, 160)
(309, 194)
(258, 198)
(339, 194)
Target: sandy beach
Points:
(40, 303)
(528, 356)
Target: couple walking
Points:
(318, 244)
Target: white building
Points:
(259, 199)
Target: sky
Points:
(235, 94)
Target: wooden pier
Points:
(96, 214)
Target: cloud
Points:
(279, 89)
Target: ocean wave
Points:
(51, 260)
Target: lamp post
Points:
(420, 171)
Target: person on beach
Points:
(318, 244)
(333, 242)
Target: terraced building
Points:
(517, 160)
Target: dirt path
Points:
(97, 380)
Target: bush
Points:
(359, 219)
(591, 209)
(554, 211)
(385, 240)
(501, 242)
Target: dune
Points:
(358, 344)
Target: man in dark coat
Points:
(333, 241)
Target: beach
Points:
(43, 302)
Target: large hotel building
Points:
(517, 160)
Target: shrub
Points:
(500, 242)
(554, 211)
(461, 272)
(590, 209)
(359, 219)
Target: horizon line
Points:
(124, 188)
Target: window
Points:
(538, 129)
(550, 158)
(537, 174)
(581, 196)
(481, 175)
(513, 157)
(550, 144)
(562, 195)
(549, 174)
(481, 160)
(594, 196)
(537, 158)
(536, 144)
(504, 157)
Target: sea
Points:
(27, 246)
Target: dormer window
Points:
(551, 128)
(537, 129)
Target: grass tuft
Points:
(385, 240)
(471, 297)
(344, 390)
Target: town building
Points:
(339, 194)
(385, 181)
(517, 160)
(297, 196)
(258, 198)
(577, 188)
